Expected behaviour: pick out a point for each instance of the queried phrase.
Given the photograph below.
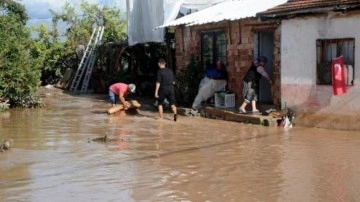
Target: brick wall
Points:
(240, 49)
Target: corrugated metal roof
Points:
(228, 10)
(194, 4)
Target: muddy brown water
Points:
(194, 159)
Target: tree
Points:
(60, 54)
(19, 69)
(187, 81)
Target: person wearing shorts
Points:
(120, 90)
(164, 88)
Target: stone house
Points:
(313, 32)
(231, 31)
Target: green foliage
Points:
(81, 24)
(188, 80)
(115, 28)
(57, 53)
(19, 70)
(25, 62)
(15, 10)
(55, 56)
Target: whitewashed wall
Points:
(298, 63)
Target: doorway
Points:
(265, 47)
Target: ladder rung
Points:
(84, 60)
(92, 59)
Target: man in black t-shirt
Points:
(164, 88)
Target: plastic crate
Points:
(223, 100)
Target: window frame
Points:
(324, 51)
(215, 52)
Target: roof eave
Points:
(286, 14)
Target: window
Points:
(326, 50)
(213, 47)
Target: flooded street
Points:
(194, 159)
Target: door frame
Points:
(264, 45)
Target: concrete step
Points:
(230, 114)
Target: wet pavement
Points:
(193, 159)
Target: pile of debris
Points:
(6, 145)
(188, 112)
(4, 105)
(286, 117)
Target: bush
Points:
(188, 80)
(19, 70)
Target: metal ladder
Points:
(90, 66)
(88, 54)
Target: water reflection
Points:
(194, 159)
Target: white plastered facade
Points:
(298, 63)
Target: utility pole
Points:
(127, 16)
